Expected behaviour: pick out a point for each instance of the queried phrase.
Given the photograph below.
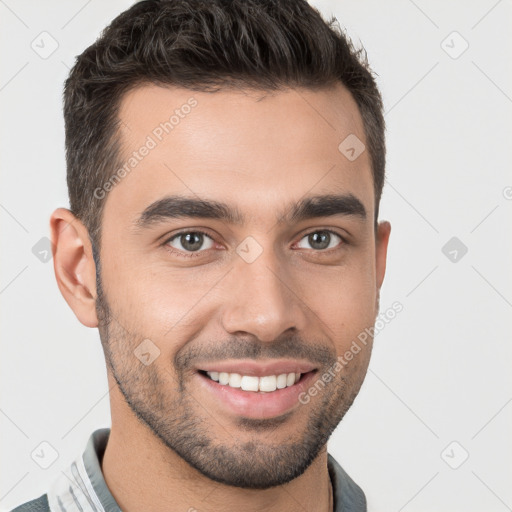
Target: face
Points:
(241, 243)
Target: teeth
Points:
(235, 380)
(265, 384)
(269, 383)
(281, 381)
(249, 383)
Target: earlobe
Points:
(74, 265)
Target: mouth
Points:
(255, 396)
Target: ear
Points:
(74, 265)
(381, 250)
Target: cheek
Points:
(157, 302)
(344, 299)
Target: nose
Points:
(263, 299)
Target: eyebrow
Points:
(180, 207)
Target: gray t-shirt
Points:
(82, 488)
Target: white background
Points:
(440, 370)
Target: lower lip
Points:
(252, 404)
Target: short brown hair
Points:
(204, 45)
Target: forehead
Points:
(253, 149)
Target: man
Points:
(225, 167)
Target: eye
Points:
(190, 242)
(321, 240)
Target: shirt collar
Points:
(82, 488)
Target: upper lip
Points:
(259, 368)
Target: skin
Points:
(259, 152)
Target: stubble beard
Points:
(170, 413)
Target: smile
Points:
(264, 384)
(252, 396)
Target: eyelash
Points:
(199, 253)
